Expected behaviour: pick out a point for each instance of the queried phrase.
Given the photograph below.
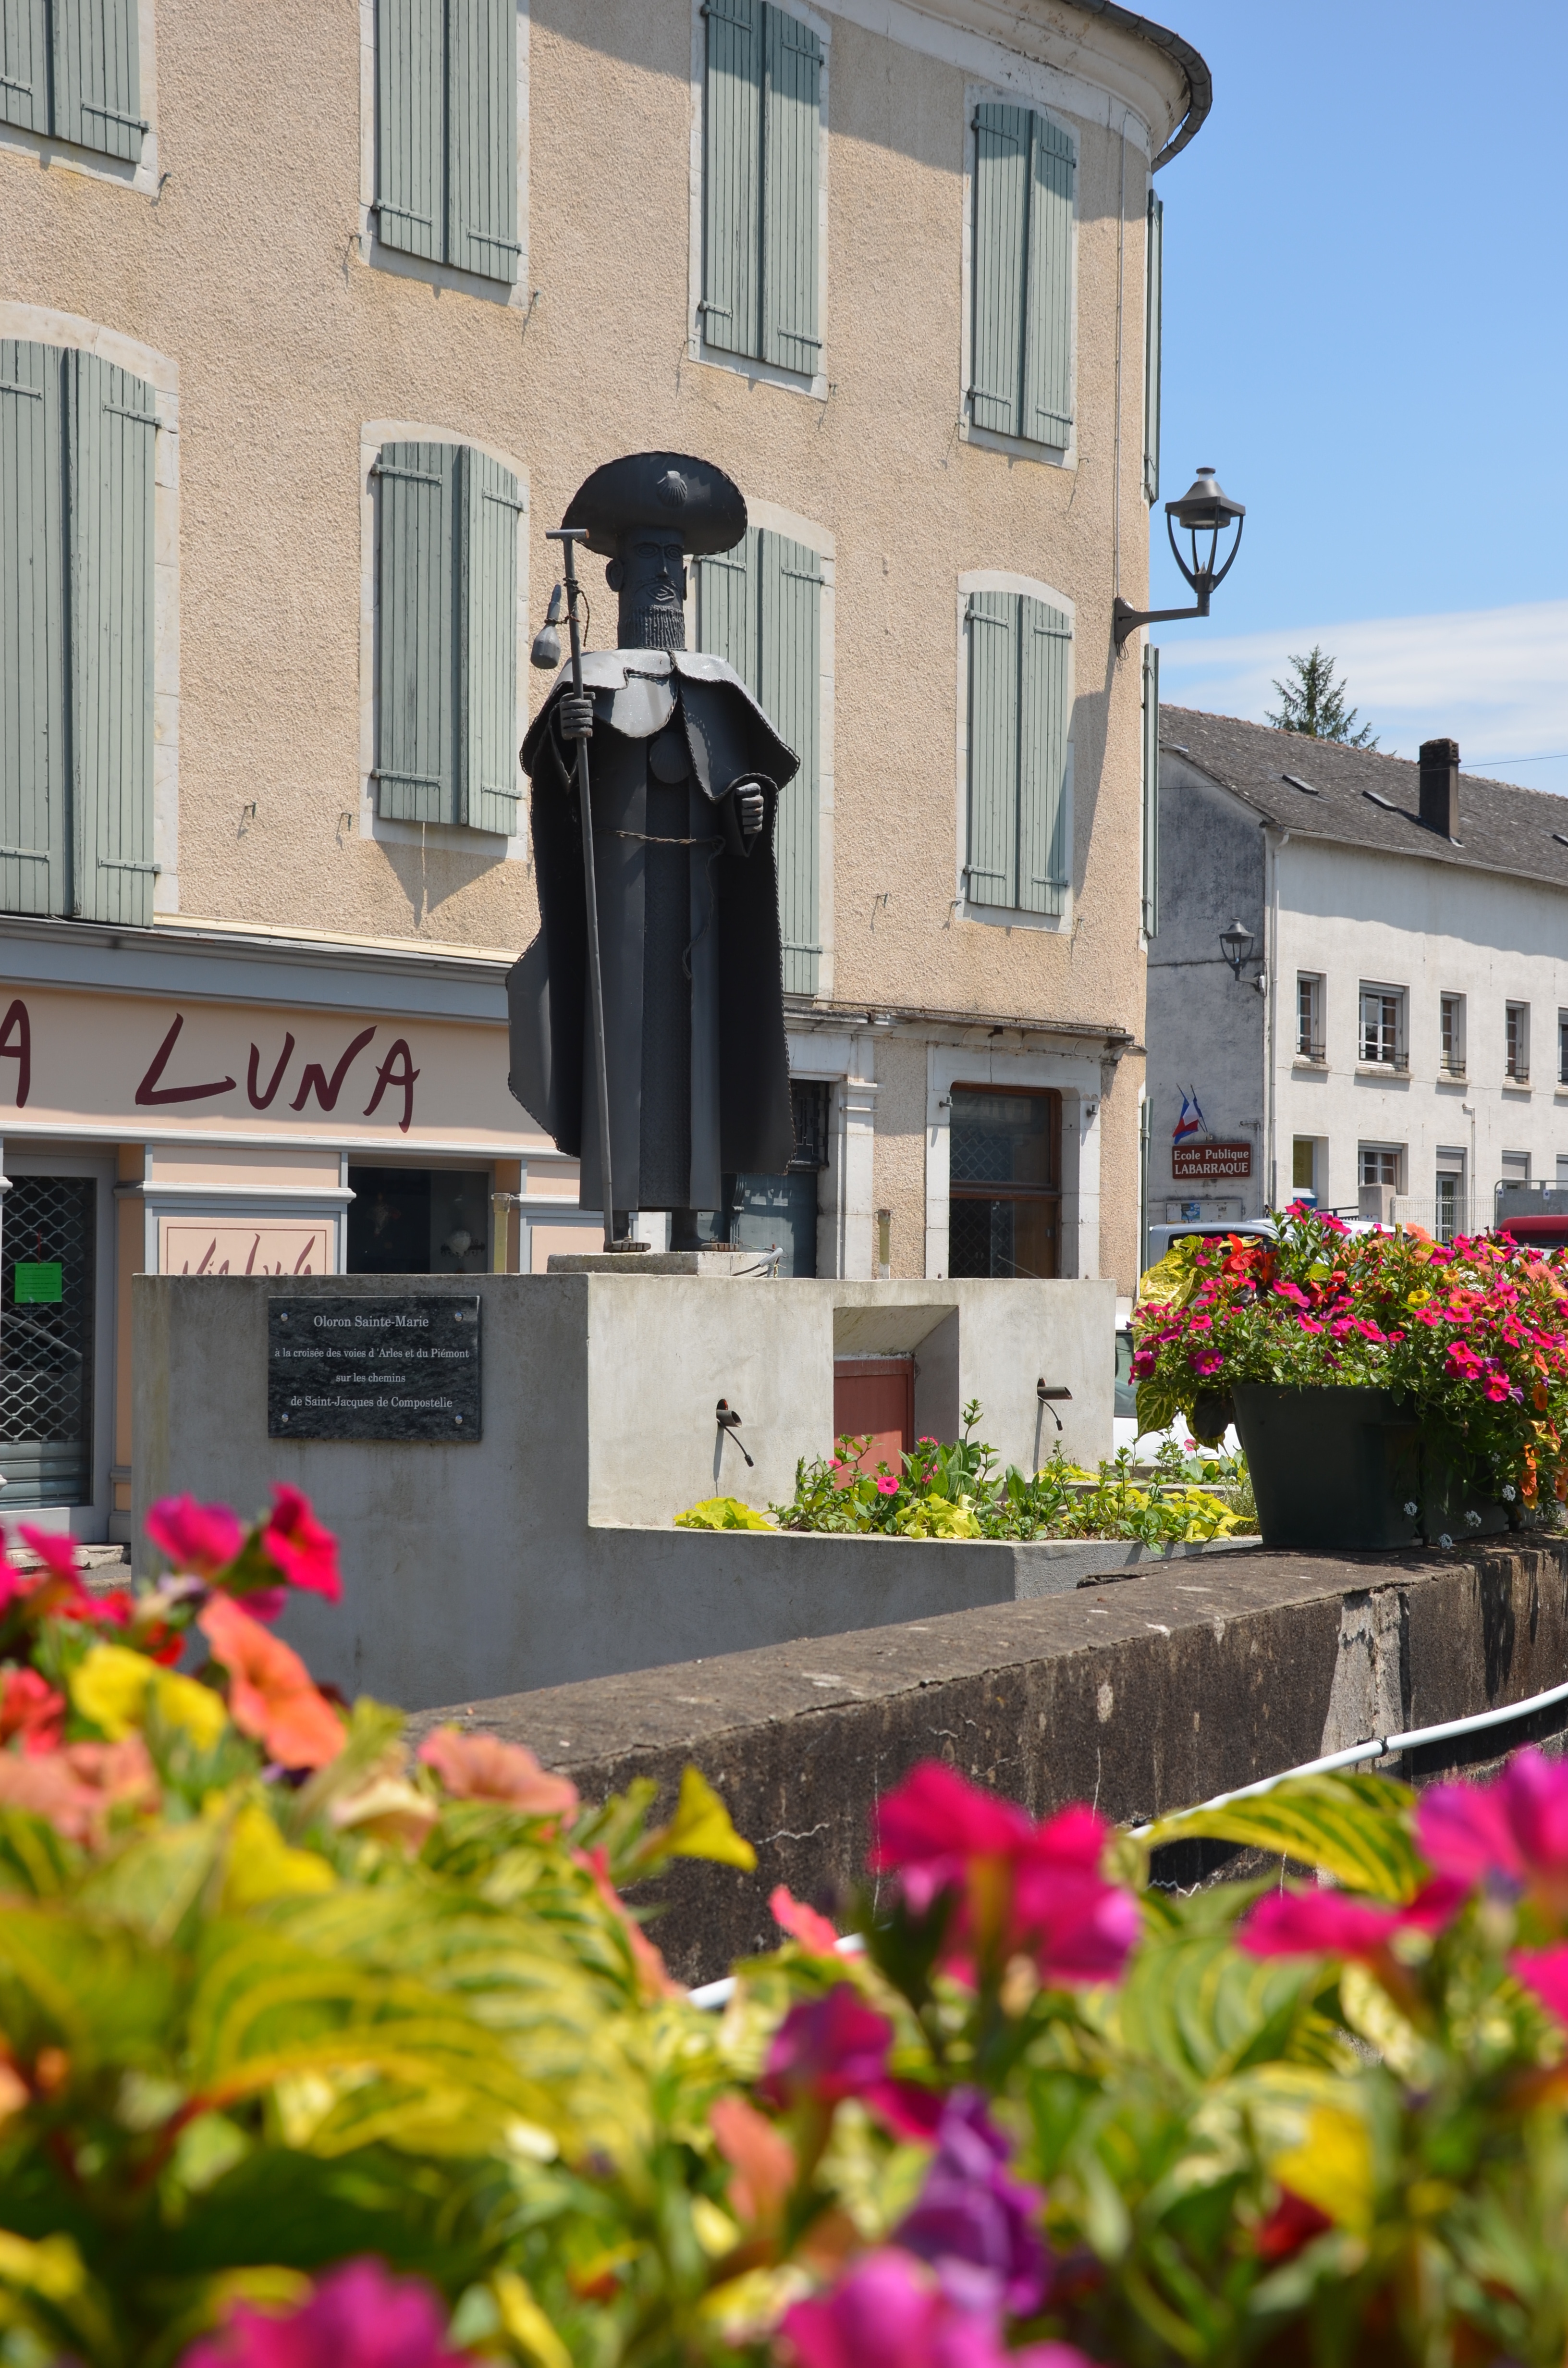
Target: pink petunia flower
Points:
(303, 1550)
(890, 2311)
(1020, 1886)
(1516, 1827)
(1545, 1971)
(826, 2049)
(1334, 1924)
(886, 1485)
(358, 2316)
(202, 1538)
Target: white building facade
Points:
(1394, 1040)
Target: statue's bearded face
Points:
(651, 579)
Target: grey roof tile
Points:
(1367, 799)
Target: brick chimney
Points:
(1440, 786)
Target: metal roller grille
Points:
(46, 1349)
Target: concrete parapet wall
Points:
(544, 1552)
(1143, 1695)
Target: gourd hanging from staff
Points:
(684, 1061)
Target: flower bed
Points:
(314, 2053)
(1471, 1335)
(958, 1491)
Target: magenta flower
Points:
(1332, 1923)
(1144, 1363)
(834, 2046)
(303, 1549)
(1205, 1361)
(974, 2222)
(1516, 1827)
(888, 2311)
(202, 1538)
(1020, 1886)
(1545, 1971)
(886, 1485)
(358, 2316)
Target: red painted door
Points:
(875, 1396)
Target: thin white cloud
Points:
(1494, 679)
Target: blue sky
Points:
(1366, 330)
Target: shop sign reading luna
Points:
(158, 1090)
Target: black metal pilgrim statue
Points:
(683, 782)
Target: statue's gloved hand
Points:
(749, 809)
(575, 716)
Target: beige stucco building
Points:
(888, 264)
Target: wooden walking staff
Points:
(568, 537)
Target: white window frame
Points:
(518, 296)
(1313, 1049)
(1380, 1151)
(1314, 1144)
(1563, 1050)
(41, 326)
(481, 847)
(698, 349)
(1454, 1067)
(64, 155)
(1517, 1061)
(1009, 917)
(1020, 447)
(1399, 1065)
(1451, 1162)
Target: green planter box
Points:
(1349, 1468)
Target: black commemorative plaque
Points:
(403, 1368)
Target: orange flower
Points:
(652, 1978)
(31, 1713)
(761, 2156)
(76, 1790)
(482, 1767)
(270, 1693)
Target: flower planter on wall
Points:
(1349, 1468)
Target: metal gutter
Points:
(1195, 70)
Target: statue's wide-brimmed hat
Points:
(668, 490)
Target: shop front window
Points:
(1005, 1182)
(46, 1341)
(418, 1221)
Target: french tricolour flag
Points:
(1191, 1122)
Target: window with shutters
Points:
(1023, 210)
(764, 100)
(71, 69)
(79, 440)
(760, 607)
(447, 519)
(445, 168)
(1019, 691)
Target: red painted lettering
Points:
(391, 1074)
(315, 1079)
(18, 1047)
(265, 1101)
(149, 1093)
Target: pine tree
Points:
(1314, 704)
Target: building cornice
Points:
(802, 1012)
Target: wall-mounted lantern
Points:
(1204, 508)
(1236, 944)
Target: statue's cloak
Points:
(688, 934)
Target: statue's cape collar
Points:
(634, 691)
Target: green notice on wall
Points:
(38, 1283)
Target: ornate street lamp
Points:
(1236, 944)
(1204, 508)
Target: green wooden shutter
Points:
(1153, 291)
(23, 64)
(732, 270)
(1001, 233)
(112, 446)
(416, 767)
(98, 76)
(482, 138)
(1047, 343)
(790, 577)
(411, 117)
(991, 868)
(33, 784)
(789, 192)
(728, 608)
(1045, 645)
(487, 643)
(1151, 915)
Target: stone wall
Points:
(1143, 1694)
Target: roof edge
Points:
(1193, 65)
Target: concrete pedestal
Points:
(545, 1551)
